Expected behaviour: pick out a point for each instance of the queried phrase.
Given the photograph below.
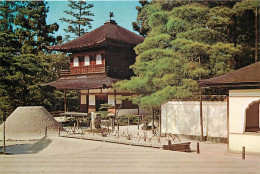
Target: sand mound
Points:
(27, 123)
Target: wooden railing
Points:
(84, 70)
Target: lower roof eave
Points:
(229, 85)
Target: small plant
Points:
(128, 135)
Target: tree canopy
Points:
(25, 65)
(81, 18)
(187, 41)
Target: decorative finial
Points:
(111, 14)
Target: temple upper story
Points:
(107, 49)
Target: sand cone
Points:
(29, 122)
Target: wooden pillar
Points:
(256, 35)
(228, 123)
(4, 118)
(138, 122)
(87, 98)
(116, 117)
(201, 116)
(65, 101)
(160, 120)
(153, 122)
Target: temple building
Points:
(243, 106)
(97, 60)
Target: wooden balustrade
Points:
(84, 70)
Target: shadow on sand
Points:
(28, 148)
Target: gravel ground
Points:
(63, 155)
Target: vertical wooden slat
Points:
(65, 101)
(201, 116)
(160, 121)
(153, 122)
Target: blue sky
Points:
(124, 11)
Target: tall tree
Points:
(31, 28)
(24, 65)
(80, 12)
(186, 42)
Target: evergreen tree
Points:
(80, 11)
(186, 42)
(31, 27)
(24, 65)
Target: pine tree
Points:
(186, 42)
(31, 27)
(24, 64)
(80, 12)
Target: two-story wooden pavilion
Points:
(97, 60)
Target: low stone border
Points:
(183, 147)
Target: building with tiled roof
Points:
(243, 107)
(97, 60)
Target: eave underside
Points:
(78, 82)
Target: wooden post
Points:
(59, 131)
(128, 119)
(138, 122)
(201, 116)
(228, 123)
(160, 121)
(65, 101)
(115, 111)
(243, 152)
(153, 122)
(256, 35)
(74, 127)
(4, 133)
(169, 142)
(198, 148)
(46, 130)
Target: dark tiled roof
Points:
(99, 37)
(92, 81)
(246, 76)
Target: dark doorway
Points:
(252, 117)
(101, 99)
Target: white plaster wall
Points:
(118, 101)
(129, 111)
(92, 100)
(250, 141)
(83, 99)
(108, 90)
(95, 91)
(83, 91)
(238, 102)
(111, 100)
(184, 118)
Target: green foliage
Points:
(25, 66)
(31, 27)
(80, 22)
(186, 42)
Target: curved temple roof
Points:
(99, 37)
(246, 76)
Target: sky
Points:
(124, 11)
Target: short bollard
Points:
(169, 142)
(198, 148)
(59, 131)
(243, 152)
(46, 131)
